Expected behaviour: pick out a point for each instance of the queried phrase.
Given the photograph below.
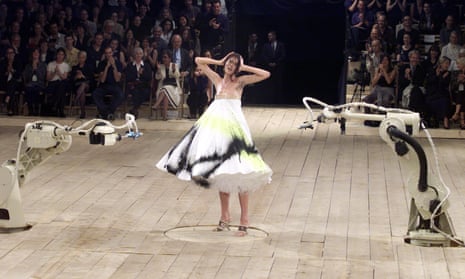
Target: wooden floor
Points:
(336, 208)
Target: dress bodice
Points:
(228, 91)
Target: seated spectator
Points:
(458, 87)
(11, 69)
(156, 37)
(404, 50)
(373, 58)
(198, 97)
(383, 82)
(432, 58)
(82, 77)
(453, 66)
(449, 26)
(386, 33)
(139, 77)
(46, 54)
(428, 22)
(82, 37)
(71, 51)
(57, 77)
(451, 50)
(34, 76)
(109, 76)
(129, 43)
(407, 28)
(411, 83)
(438, 95)
(118, 54)
(169, 90)
(36, 36)
(95, 51)
(167, 30)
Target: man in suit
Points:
(273, 56)
(181, 58)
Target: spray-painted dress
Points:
(218, 151)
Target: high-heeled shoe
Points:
(455, 117)
(446, 124)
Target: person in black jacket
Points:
(139, 77)
(411, 83)
(438, 101)
(11, 70)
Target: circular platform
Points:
(205, 233)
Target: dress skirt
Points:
(218, 151)
(172, 92)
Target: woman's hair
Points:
(434, 47)
(381, 58)
(239, 59)
(167, 52)
(61, 49)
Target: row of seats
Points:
(72, 109)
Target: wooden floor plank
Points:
(337, 207)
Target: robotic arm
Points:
(429, 223)
(38, 142)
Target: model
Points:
(218, 150)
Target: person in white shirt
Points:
(57, 77)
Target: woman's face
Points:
(35, 54)
(231, 65)
(60, 56)
(166, 59)
(445, 65)
(82, 58)
(385, 61)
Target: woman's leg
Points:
(160, 96)
(224, 201)
(165, 107)
(81, 98)
(244, 222)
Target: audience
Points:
(69, 27)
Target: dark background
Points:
(313, 32)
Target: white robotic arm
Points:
(429, 224)
(38, 142)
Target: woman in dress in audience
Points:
(169, 90)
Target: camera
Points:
(362, 76)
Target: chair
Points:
(182, 107)
(426, 41)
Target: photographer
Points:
(382, 82)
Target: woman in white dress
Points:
(218, 150)
(169, 90)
